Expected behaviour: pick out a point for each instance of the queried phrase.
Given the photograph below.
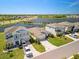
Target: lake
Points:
(39, 20)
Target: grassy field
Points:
(16, 54)
(58, 41)
(38, 47)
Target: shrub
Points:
(32, 40)
(38, 42)
(11, 55)
(51, 35)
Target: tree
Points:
(38, 42)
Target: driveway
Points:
(72, 38)
(26, 57)
(48, 46)
(35, 53)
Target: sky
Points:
(39, 6)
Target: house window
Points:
(16, 36)
(17, 42)
(9, 36)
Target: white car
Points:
(28, 52)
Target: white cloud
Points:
(74, 4)
(71, 4)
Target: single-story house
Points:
(38, 33)
(16, 35)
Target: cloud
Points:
(71, 4)
(74, 3)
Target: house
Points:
(16, 35)
(57, 28)
(75, 28)
(38, 33)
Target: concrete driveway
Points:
(35, 53)
(72, 38)
(48, 46)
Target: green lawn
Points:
(76, 56)
(58, 41)
(38, 47)
(17, 54)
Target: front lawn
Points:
(15, 54)
(38, 47)
(76, 56)
(58, 41)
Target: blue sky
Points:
(39, 6)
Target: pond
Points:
(39, 20)
(36, 22)
(29, 25)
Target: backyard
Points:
(58, 41)
(16, 54)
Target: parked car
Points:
(28, 52)
(74, 35)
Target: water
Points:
(39, 20)
(36, 22)
(29, 25)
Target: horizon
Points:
(39, 7)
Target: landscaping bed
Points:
(36, 44)
(58, 41)
(38, 47)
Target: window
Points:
(16, 36)
(9, 36)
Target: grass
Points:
(58, 41)
(15, 54)
(76, 56)
(39, 47)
